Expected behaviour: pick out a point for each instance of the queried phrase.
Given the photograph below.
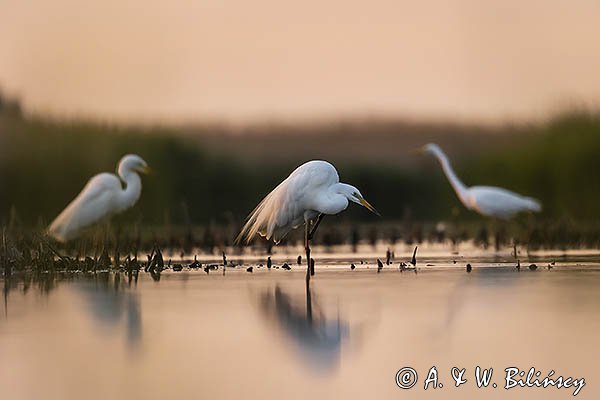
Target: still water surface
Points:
(264, 335)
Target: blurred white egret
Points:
(101, 197)
(304, 197)
(486, 200)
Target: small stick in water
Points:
(414, 257)
(379, 265)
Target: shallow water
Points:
(264, 335)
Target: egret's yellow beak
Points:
(146, 170)
(369, 207)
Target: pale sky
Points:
(240, 60)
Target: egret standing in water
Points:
(101, 197)
(486, 200)
(305, 197)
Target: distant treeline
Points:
(45, 163)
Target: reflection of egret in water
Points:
(109, 304)
(318, 338)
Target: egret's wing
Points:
(283, 209)
(273, 213)
(91, 205)
(502, 202)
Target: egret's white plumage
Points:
(101, 197)
(311, 189)
(486, 200)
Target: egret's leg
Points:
(315, 226)
(307, 248)
(308, 235)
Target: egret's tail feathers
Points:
(266, 219)
(68, 224)
(533, 204)
(57, 235)
(58, 229)
(247, 233)
(256, 223)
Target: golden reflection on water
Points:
(265, 335)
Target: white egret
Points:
(311, 191)
(486, 200)
(101, 197)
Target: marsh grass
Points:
(141, 249)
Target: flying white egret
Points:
(486, 200)
(101, 197)
(304, 197)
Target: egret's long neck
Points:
(459, 187)
(133, 189)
